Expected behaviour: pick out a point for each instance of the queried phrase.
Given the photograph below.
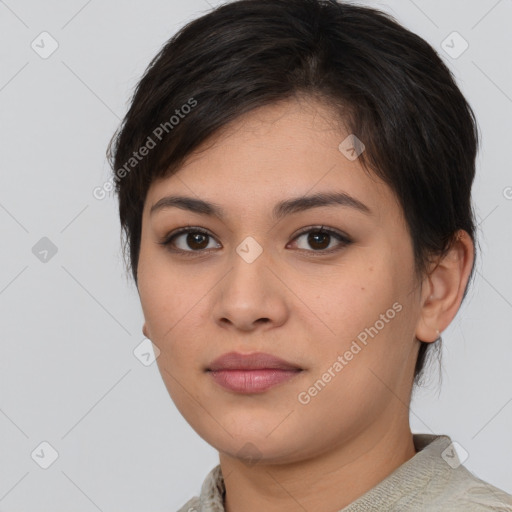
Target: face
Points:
(328, 287)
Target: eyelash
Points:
(342, 238)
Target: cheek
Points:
(173, 311)
(366, 310)
(353, 296)
(162, 288)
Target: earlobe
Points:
(144, 330)
(444, 288)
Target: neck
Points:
(329, 482)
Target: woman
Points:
(294, 181)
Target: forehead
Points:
(290, 149)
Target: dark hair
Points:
(389, 87)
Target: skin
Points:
(305, 308)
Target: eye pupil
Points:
(194, 238)
(312, 239)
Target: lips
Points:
(255, 361)
(251, 373)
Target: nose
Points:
(250, 296)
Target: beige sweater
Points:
(432, 480)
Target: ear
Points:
(443, 288)
(145, 330)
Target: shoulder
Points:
(451, 486)
(211, 497)
(433, 480)
(192, 505)
(461, 490)
(476, 494)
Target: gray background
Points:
(70, 324)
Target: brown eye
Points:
(196, 240)
(188, 240)
(320, 240)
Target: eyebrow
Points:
(279, 211)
